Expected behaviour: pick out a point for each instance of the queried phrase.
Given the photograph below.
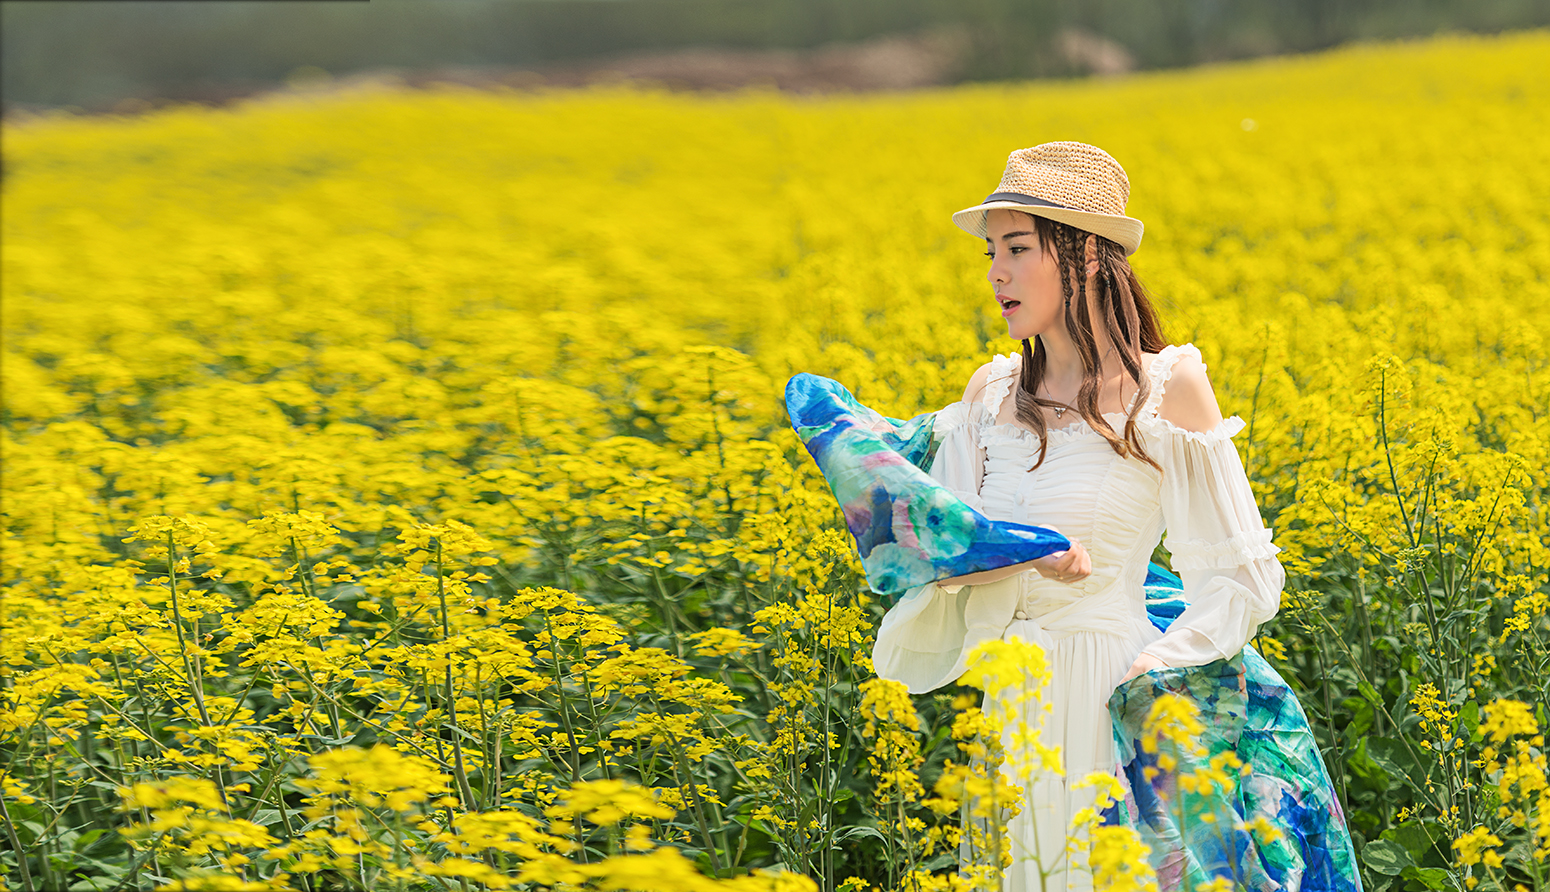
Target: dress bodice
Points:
(1084, 489)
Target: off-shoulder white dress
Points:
(1093, 630)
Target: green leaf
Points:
(1392, 757)
(853, 832)
(1430, 877)
(1369, 693)
(1469, 719)
(1362, 765)
(1362, 719)
(1416, 837)
(266, 817)
(115, 869)
(1387, 858)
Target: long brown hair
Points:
(1126, 314)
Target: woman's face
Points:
(1026, 279)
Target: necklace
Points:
(1058, 408)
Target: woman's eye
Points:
(1017, 249)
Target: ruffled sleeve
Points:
(1219, 544)
(960, 460)
(959, 464)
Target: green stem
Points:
(591, 701)
(1364, 623)
(460, 772)
(559, 687)
(16, 846)
(195, 681)
(1338, 772)
(1356, 667)
(492, 765)
(1388, 455)
(686, 781)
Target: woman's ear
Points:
(1092, 256)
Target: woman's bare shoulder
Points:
(976, 386)
(1188, 400)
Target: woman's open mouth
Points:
(1008, 306)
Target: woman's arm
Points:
(1219, 543)
(1190, 403)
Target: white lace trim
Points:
(1015, 434)
(1225, 430)
(1002, 369)
(1007, 433)
(1243, 548)
(1162, 373)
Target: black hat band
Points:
(1026, 199)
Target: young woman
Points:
(1099, 429)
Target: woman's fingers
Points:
(1083, 566)
(1072, 565)
(1076, 562)
(1143, 664)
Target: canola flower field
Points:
(398, 495)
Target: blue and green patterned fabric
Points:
(909, 529)
(1197, 835)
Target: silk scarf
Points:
(909, 529)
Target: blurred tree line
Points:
(90, 54)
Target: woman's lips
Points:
(1008, 306)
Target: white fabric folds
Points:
(1220, 547)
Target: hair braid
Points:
(1027, 402)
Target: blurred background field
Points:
(449, 420)
(98, 56)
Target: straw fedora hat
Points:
(1068, 182)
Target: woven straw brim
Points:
(1124, 230)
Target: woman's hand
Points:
(1144, 663)
(1071, 565)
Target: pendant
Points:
(1059, 412)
